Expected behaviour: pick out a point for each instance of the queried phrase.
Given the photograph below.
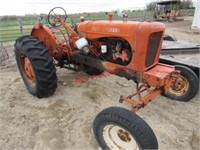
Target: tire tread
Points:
(42, 62)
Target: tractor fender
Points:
(45, 35)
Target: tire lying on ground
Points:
(118, 128)
(187, 86)
(35, 66)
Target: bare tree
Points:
(186, 4)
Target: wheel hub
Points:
(124, 136)
(180, 87)
(27, 69)
(117, 138)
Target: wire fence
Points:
(7, 59)
(12, 28)
(3, 54)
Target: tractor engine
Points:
(114, 50)
(135, 45)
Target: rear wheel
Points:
(36, 66)
(186, 85)
(118, 128)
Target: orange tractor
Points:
(124, 48)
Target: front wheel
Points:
(117, 128)
(186, 85)
(91, 70)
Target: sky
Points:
(21, 7)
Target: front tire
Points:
(118, 128)
(91, 70)
(36, 66)
(186, 85)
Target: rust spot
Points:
(124, 136)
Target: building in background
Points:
(196, 20)
(167, 10)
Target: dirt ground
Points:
(64, 120)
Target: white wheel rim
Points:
(117, 138)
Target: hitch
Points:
(146, 93)
(141, 100)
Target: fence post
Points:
(20, 26)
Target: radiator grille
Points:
(152, 48)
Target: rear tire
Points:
(118, 128)
(36, 66)
(188, 85)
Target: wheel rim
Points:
(118, 138)
(180, 87)
(27, 69)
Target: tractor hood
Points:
(145, 38)
(126, 29)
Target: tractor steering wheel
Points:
(56, 15)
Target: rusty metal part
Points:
(124, 135)
(179, 87)
(141, 100)
(146, 93)
(52, 41)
